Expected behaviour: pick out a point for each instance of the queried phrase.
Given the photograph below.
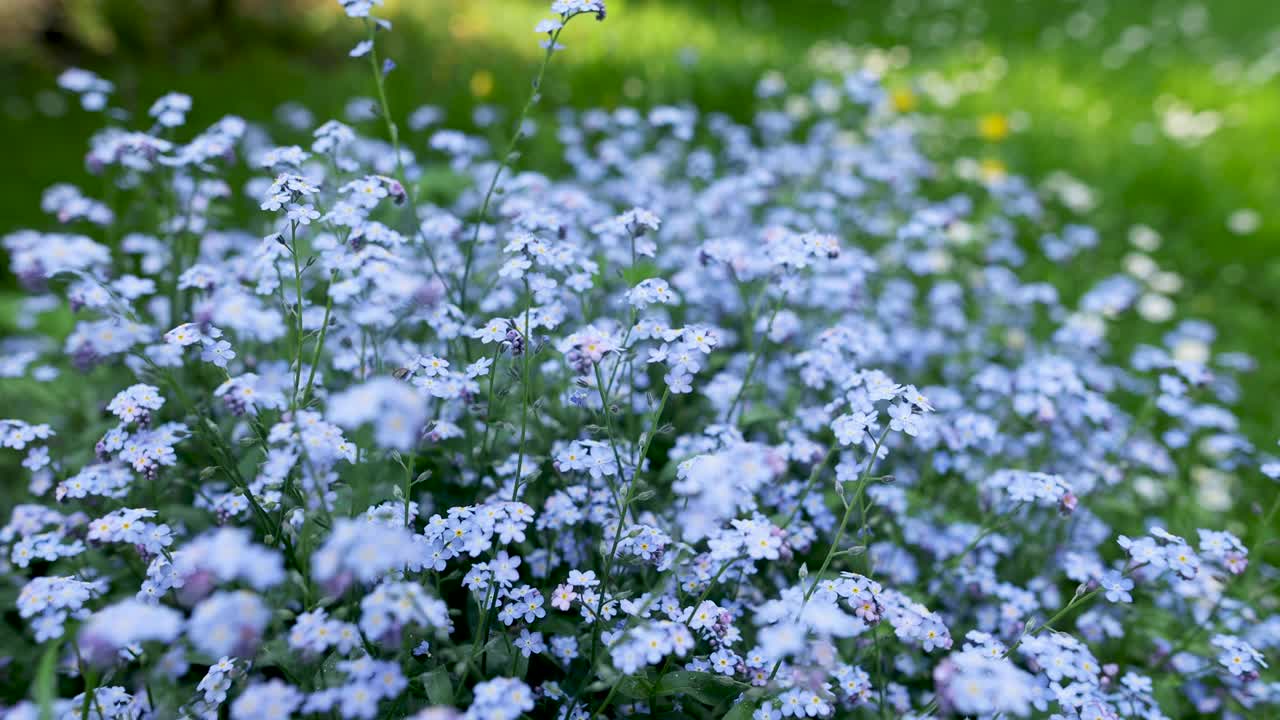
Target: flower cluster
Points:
(750, 419)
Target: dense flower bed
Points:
(724, 420)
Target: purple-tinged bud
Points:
(516, 341)
(84, 358)
(397, 193)
(1067, 503)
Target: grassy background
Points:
(1087, 85)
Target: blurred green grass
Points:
(1086, 82)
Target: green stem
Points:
(848, 512)
(839, 536)
(692, 609)
(880, 681)
(524, 393)
(408, 487)
(297, 278)
(504, 162)
(607, 699)
(987, 528)
(573, 701)
(324, 331)
(622, 350)
(488, 414)
(608, 426)
(393, 132)
(755, 358)
(617, 535)
(482, 632)
(90, 688)
(1076, 600)
(808, 486)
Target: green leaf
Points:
(496, 653)
(45, 689)
(761, 413)
(328, 669)
(741, 711)
(642, 270)
(707, 688)
(439, 687)
(633, 687)
(277, 653)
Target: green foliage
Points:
(45, 691)
(439, 687)
(705, 687)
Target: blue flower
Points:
(1116, 586)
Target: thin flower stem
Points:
(482, 632)
(706, 593)
(488, 414)
(605, 703)
(755, 358)
(808, 486)
(1076, 600)
(306, 459)
(839, 536)
(848, 512)
(653, 431)
(613, 443)
(626, 338)
(297, 278)
(1267, 528)
(617, 535)
(1271, 514)
(408, 486)
(987, 528)
(380, 83)
(232, 470)
(692, 609)
(879, 671)
(90, 687)
(393, 132)
(324, 330)
(503, 163)
(524, 394)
